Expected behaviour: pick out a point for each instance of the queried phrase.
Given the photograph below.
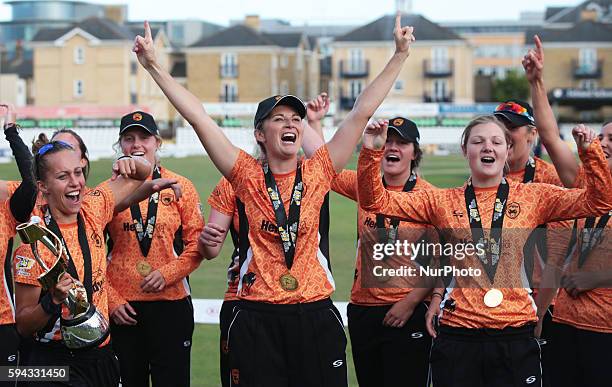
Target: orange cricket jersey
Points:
(346, 185)
(7, 231)
(176, 221)
(528, 205)
(97, 210)
(223, 200)
(265, 263)
(544, 173)
(591, 310)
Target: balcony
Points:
(439, 68)
(354, 69)
(438, 97)
(228, 71)
(587, 71)
(228, 98)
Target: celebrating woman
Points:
(286, 329)
(387, 320)
(153, 250)
(582, 319)
(15, 206)
(488, 318)
(78, 218)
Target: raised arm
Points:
(562, 204)
(416, 206)
(562, 157)
(24, 198)
(221, 151)
(313, 134)
(346, 137)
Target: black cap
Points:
(405, 128)
(265, 107)
(138, 119)
(515, 113)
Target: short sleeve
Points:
(240, 171)
(223, 198)
(99, 203)
(27, 269)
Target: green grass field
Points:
(210, 279)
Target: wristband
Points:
(437, 294)
(50, 307)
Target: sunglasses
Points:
(51, 145)
(513, 107)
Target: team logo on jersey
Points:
(235, 376)
(24, 262)
(137, 117)
(531, 379)
(95, 192)
(167, 199)
(337, 363)
(96, 239)
(513, 210)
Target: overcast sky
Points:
(323, 11)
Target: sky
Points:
(351, 12)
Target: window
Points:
(439, 59)
(439, 89)
(229, 92)
(229, 65)
(284, 87)
(133, 67)
(355, 88)
(78, 89)
(133, 98)
(587, 59)
(398, 86)
(356, 61)
(284, 61)
(79, 55)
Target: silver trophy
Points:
(83, 326)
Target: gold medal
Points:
(144, 268)
(493, 298)
(288, 282)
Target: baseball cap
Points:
(138, 119)
(405, 128)
(515, 112)
(265, 107)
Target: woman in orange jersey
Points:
(224, 217)
(387, 319)
(79, 219)
(15, 207)
(286, 330)
(486, 333)
(582, 319)
(153, 251)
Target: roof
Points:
(382, 30)
(238, 35)
(584, 31)
(179, 70)
(101, 28)
(288, 40)
(139, 30)
(573, 14)
(22, 67)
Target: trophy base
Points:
(85, 331)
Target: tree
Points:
(513, 86)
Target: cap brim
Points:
(514, 119)
(399, 133)
(291, 101)
(130, 126)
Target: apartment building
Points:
(92, 63)
(439, 68)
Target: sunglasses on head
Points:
(51, 145)
(514, 108)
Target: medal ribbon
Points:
(144, 233)
(389, 236)
(529, 170)
(287, 228)
(591, 236)
(83, 243)
(493, 243)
